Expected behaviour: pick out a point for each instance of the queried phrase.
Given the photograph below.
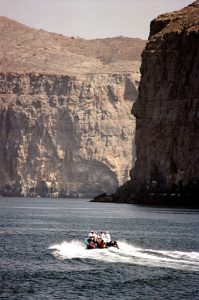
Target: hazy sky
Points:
(90, 18)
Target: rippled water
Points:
(42, 255)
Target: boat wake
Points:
(127, 253)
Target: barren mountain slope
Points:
(25, 49)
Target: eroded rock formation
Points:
(65, 122)
(167, 115)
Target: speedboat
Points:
(91, 244)
(95, 241)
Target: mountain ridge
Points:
(26, 49)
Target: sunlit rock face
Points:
(65, 122)
(65, 135)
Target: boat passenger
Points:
(101, 244)
(102, 236)
(95, 236)
(90, 235)
(99, 237)
(107, 237)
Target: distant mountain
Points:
(25, 49)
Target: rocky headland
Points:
(66, 127)
(166, 169)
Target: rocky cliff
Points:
(167, 114)
(65, 122)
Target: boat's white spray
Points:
(128, 253)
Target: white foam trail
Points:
(76, 249)
(128, 253)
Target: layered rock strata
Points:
(65, 135)
(65, 122)
(167, 115)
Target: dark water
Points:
(42, 255)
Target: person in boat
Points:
(107, 237)
(99, 237)
(95, 236)
(92, 239)
(91, 245)
(92, 235)
(102, 236)
(101, 244)
(102, 240)
(108, 240)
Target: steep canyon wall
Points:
(168, 102)
(167, 110)
(167, 115)
(65, 135)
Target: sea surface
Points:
(42, 255)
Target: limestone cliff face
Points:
(65, 122)
(65, 135)
(167, 114)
